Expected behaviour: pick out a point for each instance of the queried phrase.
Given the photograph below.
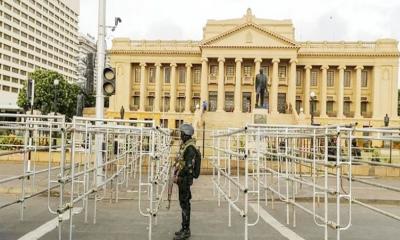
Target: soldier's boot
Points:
(185, 234)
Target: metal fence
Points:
(276, 162)
(130, 150)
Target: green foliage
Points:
(10, 140)
(49, 98)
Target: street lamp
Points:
(55, 84)
(312, 100)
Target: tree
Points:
(61, 98)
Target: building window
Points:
(298, 79)
(164, 123)
(137, 75)
(6, 88)
(314, 78)
(282, 73)
(230, 71)
(331, 78)
(347, 78)
(182, 75)
(212, 98)
(364, 107)
(167, 74)
(195, 103)
(213, 71)
(298, 105)
(246, 102)
(152, 73)
(150, 103)
(180, 104)
(196, 75)
(229, 101)
(329, 107)
(247, 70)
(346, 108)
(135, 102)
(165, 104)
(178, 123)
(364, 79)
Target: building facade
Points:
(166, 80)
(87, 64)
(36, 34)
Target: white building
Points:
(36, 34)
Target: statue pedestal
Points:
(260, 116)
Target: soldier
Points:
(184, 177)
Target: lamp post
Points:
(56, 82)
(312, 100)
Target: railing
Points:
(229, 108)
(148, 108)
(134, 107)
(212, 78)
(348, 114)
(367, 114)
(331, 114)
(179, 109)
(281, 162)
(130, 150)
(247, 80)
(230, 80)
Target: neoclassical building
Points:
(166, 80)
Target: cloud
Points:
(164, 29)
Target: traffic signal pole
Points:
(99, 88)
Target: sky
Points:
(314, 20)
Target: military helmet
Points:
(187, 129)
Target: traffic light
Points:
(109, 81)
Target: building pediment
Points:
(249, 35)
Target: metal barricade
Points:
(130, 149)
(287, 162)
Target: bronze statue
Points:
(261, 87)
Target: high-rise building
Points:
(325, 82)
(87, 63)
(36, 34)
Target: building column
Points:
(292, 84)
(172, 101)
(204, 80)
(357, 93)
(188, 89)
(123, 86)
(323, 90)
(221, 85)
(340, 92)
(157, 99)
(238, 85)
(307, 83)
(142, 86)
(273, 97)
